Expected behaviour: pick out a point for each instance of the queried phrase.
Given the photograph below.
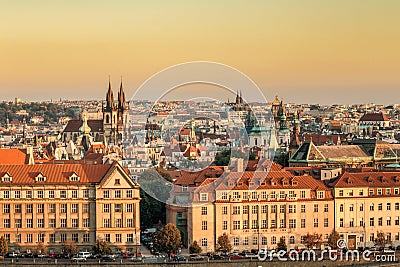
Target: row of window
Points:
(77, 238)
(40, 208)
(283, 223)
(118, 223)
(371, 207)
(351, 222)
(17, 194)
(40, 223)
(118, 208)
(371, 192)
(291, 208)
(272, 195)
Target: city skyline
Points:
(306, 52)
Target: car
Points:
(236, 257)
(12, 255)
(217, 257)
(137, 259)
(250, 256)
(78, 258)
(196, 257)
(107, 258)
(85, 254)
(178, 258)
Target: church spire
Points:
(109, 96)
(121, 98)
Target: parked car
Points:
(196, 257)
(137, 259)
(12, 255)
(178, 258)
(236, 257)
(85, 254)
(107, 258)
(78, 258)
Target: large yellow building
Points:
(52, 203)
(366, 203)
(256, 209)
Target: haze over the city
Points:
(305, 51)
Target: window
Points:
(40, 223)
(6, 194)
(224, 210)
(371, 207)
(387, 191)
(63, 194)
(236, 241)
(254, 210)
(17, 208)
(292, 208)
(85, 208)
(315, 207)
(315, 222)
(63, 208)
(254, 224)
(291, 240)
(362, 222)
(40, 208)
(264, 209)
(203, 197)
(340, 193)
(273, 194)
(75, 223)
(29, 208)
(351, 193)
(29, 223)
(371, 221)
(117, 194)
(273, 223)
(29, 238)
(396, 191)
(225, 225)
(106, 194)
(86, 193)
(273, 208)
(326, 208)
(351, 207)
(129, 207)
(273, 240)
(129, 223)
(118, 207)
(282, 223)
(291, 193)
(361, 192)
(40, 194)
(245, 209)
(282, 208)
(86, 222)
(380, 206)
(255, 240)
(63, 223)
(303, 208)
(75, 237)
(397, 206)
(326, 222)
(74, 193)
(351, 222)
(282, 194)
(397, 221)
(388, 221)
(118, 223)
(264, 195)
(379, 191)
(52, 208)
(254, 195)
(118, 237)
(224, 195)
(117, 181)
(236, 225)
(204, 225)
(320, 194)
(52, 223)
(106, 223)
(18, 223)
(86, 238)
(388, 206)
(341, 222)
(263, 240)
(29, 194)
(74, 208)
(129, 238)
(6, 208)
(129, 194)
(371, 192)
(17, 194)
(204, 242)
(106, 208)
(361, 207)
(303, 223)
(380, 221)
(236, 210)
(18, 238)
(302, 194)
(6, 223)
(264, 224)
(292, 223)
(341, 208)
(203, 210)
(63, 237)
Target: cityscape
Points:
(199, 134)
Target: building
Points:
(256, 209)
(365, 203)
(53, 203)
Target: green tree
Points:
(101, 247)
(194, 248)
(3, 246)
(381, 241)
(41, 248)
(282, 244)
(224, 243)
(312, 240)
(69, 247)
(167, 239)
(333, 239)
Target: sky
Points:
(304, 51)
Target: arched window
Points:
(107, 118)
(204, 242)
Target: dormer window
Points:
(40, 177)
(6, 178)
(74, 177)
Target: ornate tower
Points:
(122, 114)
(283, 132)
(110, 117)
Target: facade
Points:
(366, 203)
(256, 209)
(53, 203)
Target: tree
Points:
(312, 240)
(282, 244)
(194, 248)
(69, 247)
(167, 239)
(101, 247)
(380, 240)
(224, 243)
(3, 246)
(41, 248)
(333, 239)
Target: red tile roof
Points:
(368, 179)
(55, 173)
(374, 117)
(195, 178)
(13, 156)
(74, 125)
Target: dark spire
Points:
(121, 98)
(109, 97)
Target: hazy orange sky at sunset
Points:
(305, 51)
